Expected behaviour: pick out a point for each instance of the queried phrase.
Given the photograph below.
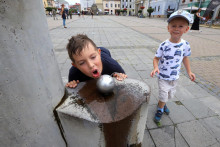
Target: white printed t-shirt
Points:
(171, 56)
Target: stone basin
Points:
(118, 119)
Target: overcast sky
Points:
(72, 2)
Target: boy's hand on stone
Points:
(72, 84)
(192, 76)
(120, 76)
(154, 72)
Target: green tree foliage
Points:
(118, 11)
(150, 10)
(71, 11)
(49, 9)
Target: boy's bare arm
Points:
(156, 69)
(188, 69)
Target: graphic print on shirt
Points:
(171, 56)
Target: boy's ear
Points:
(73, 64)
(99, 51)
(187, 29)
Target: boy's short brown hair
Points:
(77, 44)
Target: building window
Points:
(115, 5)
(155, 8)
(158, 8)
(130, 6)
(106, 5)
(111, 5)
(122, 6)
(118, 5)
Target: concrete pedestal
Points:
(90, 118)
(30, 80)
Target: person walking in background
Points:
(92, 14)
(168, 58)
(54, 14)
(195, 25)
(82, 13)
(67, 13)
(50, 13)
(63, 15)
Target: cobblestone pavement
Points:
(194, 119)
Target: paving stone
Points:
(182, 93)
(123, 61)
(153, 100)
(211, 102)
(195, 134)
(197, 108)
(143, 74)
(62, 58)
(147, 141)
(215, 145)
(179, 140)
(163, 137)
(197, 91)
(140, 67)
(134, 76)
(178, 113)
(152, 82)
(212, 125)
(145, 59)
(184, 81)
(155, 92)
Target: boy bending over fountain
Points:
(90, 62)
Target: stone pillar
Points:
(92, 119)
(30, 81)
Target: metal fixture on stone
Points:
(105, 84)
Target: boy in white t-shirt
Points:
(168, 58)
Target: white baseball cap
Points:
(181, 13)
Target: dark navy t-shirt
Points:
(108, 63)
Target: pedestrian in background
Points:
(54, 14)
(195, 25)
(63, 15)
(82, 13)
(50, 13)
(92, 14)
(168, 58)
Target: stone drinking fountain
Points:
(95, 119)
(31, 89)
